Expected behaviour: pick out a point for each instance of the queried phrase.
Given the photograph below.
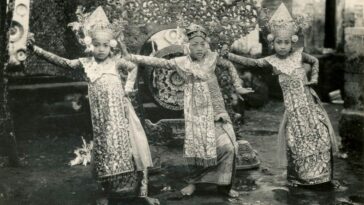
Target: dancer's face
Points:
(101, 43)
(198, 48)
(282, 45)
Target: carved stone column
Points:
(352, 117)
(7, 134)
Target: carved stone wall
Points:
(352, 119)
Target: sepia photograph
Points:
(182, 102)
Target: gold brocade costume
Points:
(120, 145)
(210, 142)
(306, 130)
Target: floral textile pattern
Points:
(203, 103)
(306, 130)
(112, 153)
(112, 149)
(286, 65)
(307, 134)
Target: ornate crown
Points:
(282, 24)
(194, 30)
(89, 24)
(282, 21)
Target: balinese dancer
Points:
(210, 143)
(307, 140)
(121, 151)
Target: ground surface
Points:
(47, 179)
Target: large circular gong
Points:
(166, 85)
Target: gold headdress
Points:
(194, 30)
(89, 24)
(282, 24)
(187, 31)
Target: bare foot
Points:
(292, 184)
(102, 201)
(188, 190)
(336, 184)
(151, 201)
(144, 188)
(233, 194)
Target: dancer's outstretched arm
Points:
(50, 57)
(132, 75)
(248, 62)
(57, 60)
(152, 61)
(314, 62)
(146, 60)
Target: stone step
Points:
(351, 128)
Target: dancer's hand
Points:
(129, 92)
(30, 41)
(124, 49)
(224, 51)
(311, 83)
(244, 91)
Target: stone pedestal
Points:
(354, 84)
(352, 129)
(170, 132)
(352, 118)
(156, 158)
(166, 132)
(7, 136)
(247, 157)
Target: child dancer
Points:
(307, 138)
(121, 152)
(210, 142)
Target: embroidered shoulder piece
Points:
(286, 65)
(202, 70)
(95, 70)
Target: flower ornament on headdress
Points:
(90, 25)
(181, 30)
(283, 24)
(182, 39)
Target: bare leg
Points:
(335, 184)
(292, 184)
(102, 201)
(144, 190)
(144, 184)
(228, 191)
(188, 190)
(233, 194)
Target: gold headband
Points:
(194, 30)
